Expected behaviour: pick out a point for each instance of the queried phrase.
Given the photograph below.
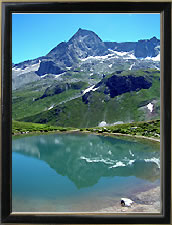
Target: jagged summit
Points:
(82, 44)
(82, 38)
(84, 33)
(154, 39)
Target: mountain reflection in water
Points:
(85, 158)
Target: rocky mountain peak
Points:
(85, 50)
(154, 39)
(87, 43)
(82, 44)
(84, 35)
(147, 47)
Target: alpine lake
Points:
(77, 172)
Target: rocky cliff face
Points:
(84, 43)
(147, 48)
(118, 85)
(47, 67)
(121, 47)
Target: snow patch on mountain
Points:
(58, 75)
(113, 55)
(124, 55)
(97, 57)
(150, 107)
(131, 66)
(156, 58)
(51, 107)
(44, 75)
(129, 56)
(156, 68)
(31, 68)
(16, 69)
(120, 53)
(90, 89)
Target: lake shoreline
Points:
(126, 135)
(145, 130)
(87, 132)
(144, 202)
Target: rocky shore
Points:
(144, 202)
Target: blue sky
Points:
(34, 35)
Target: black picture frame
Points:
(6, 108)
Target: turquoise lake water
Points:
(80, 172)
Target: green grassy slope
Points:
(23, 99)
(19, 127)
(127, 107)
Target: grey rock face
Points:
(27, 63)
(121, 84)
(125, 46)
(48, 67)
(23, 79)
(146, 48)
(83, 43)
(87, 43)
(117, 85)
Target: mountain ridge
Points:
(121, 46)
(86, 53)
(85, 81)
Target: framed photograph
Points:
(86, 112)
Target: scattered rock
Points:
(126, 202)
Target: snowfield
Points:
(112, 55)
